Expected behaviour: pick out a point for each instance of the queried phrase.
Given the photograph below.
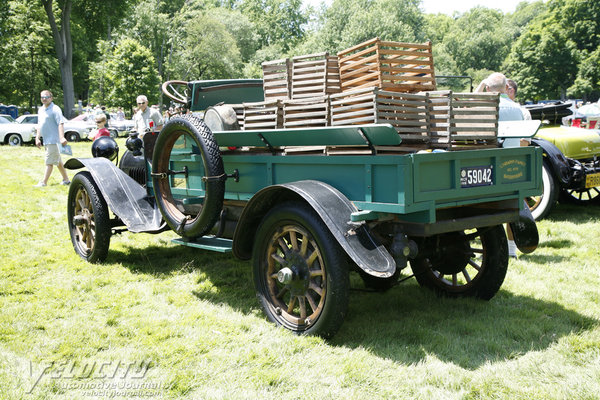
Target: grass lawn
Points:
(161, 321)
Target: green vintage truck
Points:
(307, 219)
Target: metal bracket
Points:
(266, 142)
(367, 141)
(163, 175)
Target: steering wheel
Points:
(170, 90)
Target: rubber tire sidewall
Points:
(336, 267)
(213, 166)
(17, 142)
(101, 217)
(549, 194)
(487, 283)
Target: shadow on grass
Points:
(408, 324)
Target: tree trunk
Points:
(64, 52)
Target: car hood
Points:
(577, 143)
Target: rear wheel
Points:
(465, 264)
(300, 271)
(72, 136)
(14, 139)
(541, 205)
(88, 218)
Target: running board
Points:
(211, 243)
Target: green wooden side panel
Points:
(230, 91)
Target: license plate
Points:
(476, 176)
(592, 180)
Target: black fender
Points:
(525, 232)
(561, 168)
(333, 208)
(126, 198)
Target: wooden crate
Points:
(306, 113)
(277, 79)
(461, 121)
(406, 112)
(393, 66)
(314, 75)
(263, 115)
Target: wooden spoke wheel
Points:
(88, 217)
(471, 263)
(300, 272)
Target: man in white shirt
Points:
(145, 115)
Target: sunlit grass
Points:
(194, 316)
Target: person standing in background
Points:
(146, 114)
(50, 127)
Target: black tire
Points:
(72, 136)
(483, 253)
(177, 218)
(14, 139)
(113, 133)
(88, 218)
(540, 206)
(293, 237)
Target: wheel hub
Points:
(295, 274)
(457, 253)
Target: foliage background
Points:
(549, 47)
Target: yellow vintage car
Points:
(571, 168)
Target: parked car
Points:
(74, 130)
(571, 168)
(14, 132)
(122, 126)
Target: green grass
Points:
(194, 316)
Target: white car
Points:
(15, 133)
(74, 130)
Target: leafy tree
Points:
(544, 62)
(130, 71)
(349, 22)
(587, 81)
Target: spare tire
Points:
(204, 144)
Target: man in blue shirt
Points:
(50, 127)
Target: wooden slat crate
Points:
(393, 66)
(306, 113)
(406, 112)
(461, 121)
(277, 79)
(263, 115)
(314, 75)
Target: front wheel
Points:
(300, 272)
(464, 264)
(540, 206)
(580, 196)
(14, 139)
(88, 218)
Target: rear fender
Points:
(126, 198)
(333, 208)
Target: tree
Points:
(544, 62)
(349, 22)
(64, 50)
(587, 82)
(130, 71)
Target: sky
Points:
(449, 6)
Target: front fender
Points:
(126, 198)
(333, 208)
(560, 164)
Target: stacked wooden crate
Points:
(263, 115)
(463, 121)
(314, 75)
(406, 112)
(393, 66)
(277, 79)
